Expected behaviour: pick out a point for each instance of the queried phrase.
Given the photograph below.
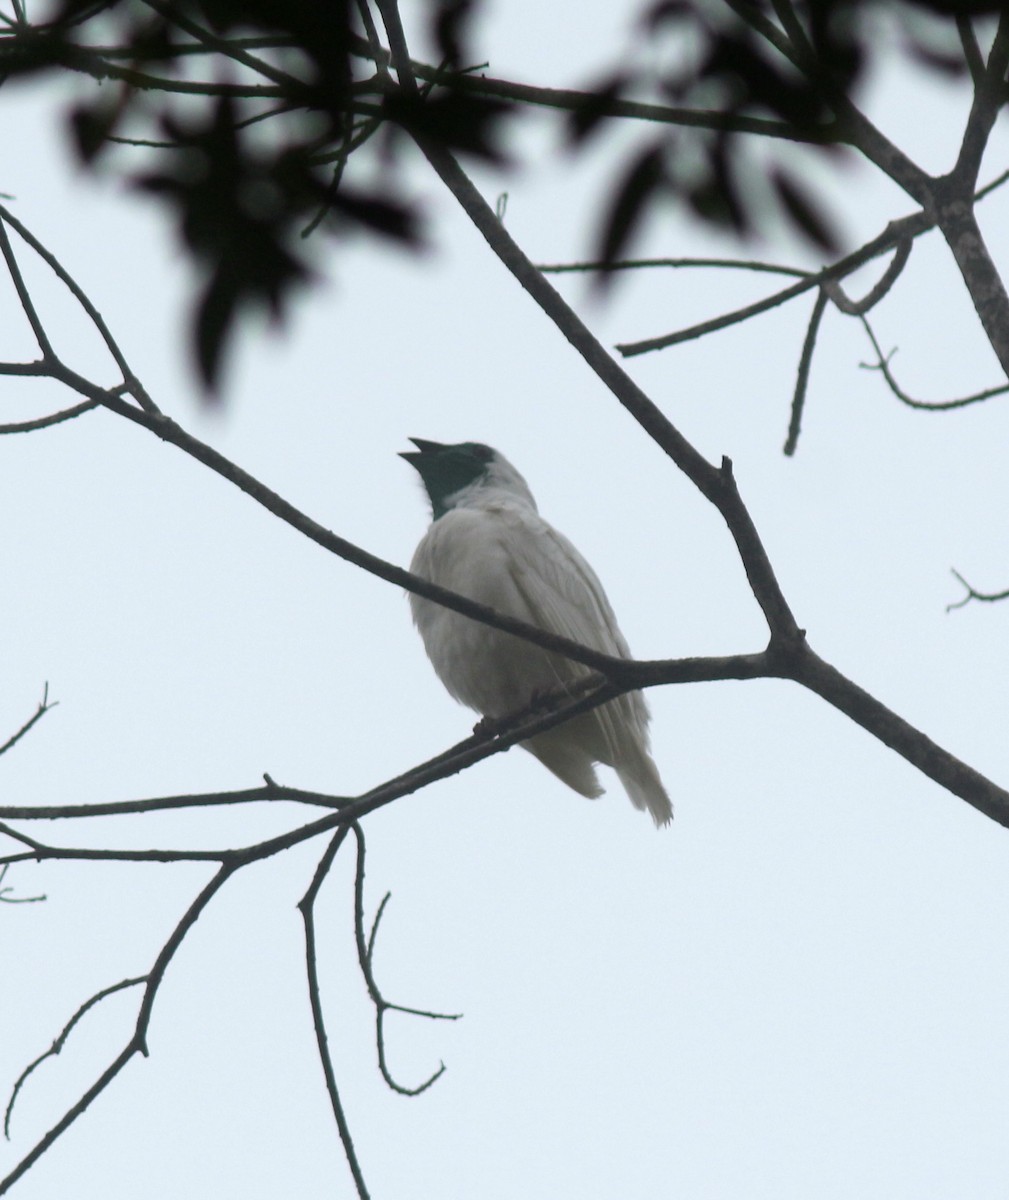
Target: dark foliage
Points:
(253, 112)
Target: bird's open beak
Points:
(423, 447)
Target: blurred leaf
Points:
(237, 212)
(454, 119)
(950, 63)
(806, 214)
(666, 11)
(90, 125)
(716, 197)
(646, 176)
(380, 214)
(740, 65)
(584, 119)
(449, 23)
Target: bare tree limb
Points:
(802, 375)
(271, 792)
(974, 594)
(40, 712)
(989, 98)
(137, 1043)
(60, 1042)
(67, 414)
(365, 956)
(972, 55)
(307, 909)
(882, 364)
(8, 899)
(858, 308)
(130, 381)
(661, 114)
(897, 234)
(634, 264)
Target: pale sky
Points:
(795, 991)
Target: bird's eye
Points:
(483, 453)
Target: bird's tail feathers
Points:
(644, 787)
(568, 762)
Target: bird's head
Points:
(453, 474)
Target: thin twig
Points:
(27, 304)
(40, 712)
(688, 118)
(988, 100)
(7, 899)
(882, 364)
(802, 375)
(974, 594)
(138, 1042)
(307, 909)
(906, 229)
(630, 264)
(171, 13)
(60, 1042)
(365, 956)
(858, 308)
(272, 792)
(130, 381)
(972, 55)
(67, 414)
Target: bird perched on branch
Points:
(488, 542)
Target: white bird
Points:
(488, 542)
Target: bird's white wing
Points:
(563, 595)
(560, 590)
(505, 555)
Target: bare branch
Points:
(67, 414)
(974, 594)
(989, 97)
(632, 264)
(286, 82)
(900, 736)
(958, 222)
(365, 955)
(7, 899)
(858, 308)
(399, 53)
(661, 114)
(40, 712)
(130, 382)
(138, 1042)
(41, 337)
(896, 234)
(307, 909)
(802, 376)
(60, 1042)
(882, 364)
(971, 50)
(272, 792)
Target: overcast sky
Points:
(797, 990)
